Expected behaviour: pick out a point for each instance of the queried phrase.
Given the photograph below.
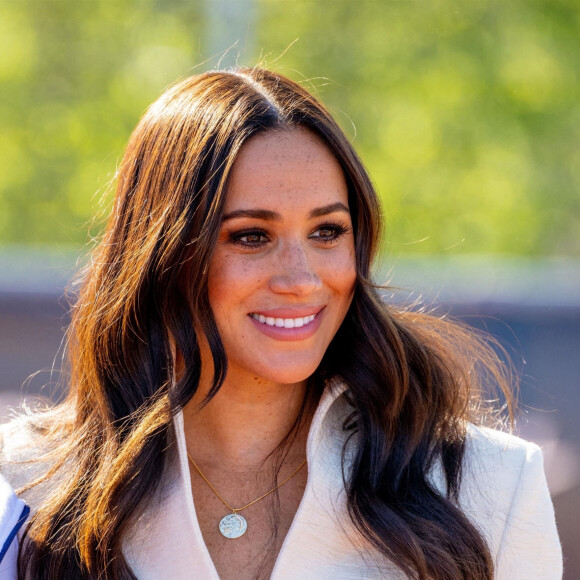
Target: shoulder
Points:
(14, 511)
(494, 465)
(485, 437)
(505, 494)
(498, 451)
(499, 465)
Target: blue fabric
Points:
(12, 534)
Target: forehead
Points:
(285, 167)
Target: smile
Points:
(284, 326)
(283, 322)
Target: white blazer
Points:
(504, 493)
(13, 513)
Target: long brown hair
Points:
(413, 379)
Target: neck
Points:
(244, 422)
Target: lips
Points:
(283, 322)
(288, 324)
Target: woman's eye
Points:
(249, 239)
(329, 233)
(326, 234)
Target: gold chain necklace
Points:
(234, 525)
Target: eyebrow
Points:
(268, 215)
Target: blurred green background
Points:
(467, 113)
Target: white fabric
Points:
(504, 493)
(11, 511)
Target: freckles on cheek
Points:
(250, 275)
(343, 272)
(232, 280)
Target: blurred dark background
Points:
(467, 115)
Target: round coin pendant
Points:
(233, 526)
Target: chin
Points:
(287, 372)
(291, 377)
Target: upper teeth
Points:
(283, 322)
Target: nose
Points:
(294, 273)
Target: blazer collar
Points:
(168, 536)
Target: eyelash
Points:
(337, 230)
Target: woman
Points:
(242, 404)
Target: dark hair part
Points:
(410, 375)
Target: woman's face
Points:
(282, 275)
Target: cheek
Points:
(230, 280)
(340, 274)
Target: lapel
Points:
(321, 542)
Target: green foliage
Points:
(77, 76)
(466, 113)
